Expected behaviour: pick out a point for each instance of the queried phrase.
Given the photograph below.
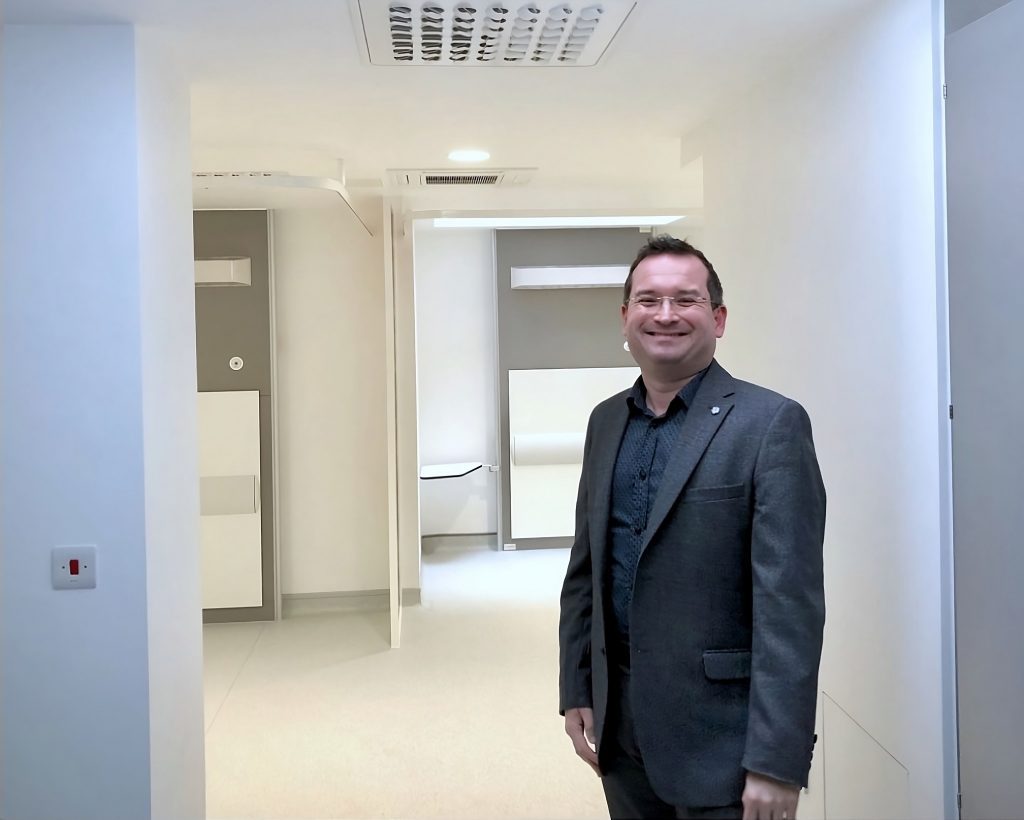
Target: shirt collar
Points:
(637, 398)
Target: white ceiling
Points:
(283, 85)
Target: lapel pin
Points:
(716, 410)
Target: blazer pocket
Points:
(727, 664)
(714, 493)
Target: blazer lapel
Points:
(701, 424)
(604, 451)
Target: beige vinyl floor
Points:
(315, 717)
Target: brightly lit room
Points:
(358, 268)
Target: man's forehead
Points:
(684, 272)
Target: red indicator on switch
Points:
(73, 566)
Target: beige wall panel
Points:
(863, 781)
(331, 394)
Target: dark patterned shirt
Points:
(646, 446)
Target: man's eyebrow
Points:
(680, 292)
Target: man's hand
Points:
(579, 725)
(766, 798)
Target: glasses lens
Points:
(679, 302)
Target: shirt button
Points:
(643, 475)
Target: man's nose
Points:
(666, 309)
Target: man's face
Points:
(669, 341)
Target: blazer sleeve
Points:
(787, 536)
(574, 625)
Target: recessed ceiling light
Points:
(468, 155)
(553, 221)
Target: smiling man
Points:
(693, 606)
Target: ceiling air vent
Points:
(509, 35)
(461, 179)
(448, 176)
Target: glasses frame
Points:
(690, 302)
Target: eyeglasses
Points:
(648, 302)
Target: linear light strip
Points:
(553, 221)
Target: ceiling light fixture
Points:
(468, 155)
(554, 221)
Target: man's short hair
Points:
(665, 244)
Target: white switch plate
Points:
(61, 567)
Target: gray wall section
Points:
(235, 321)
(985, 184)
(549, 329)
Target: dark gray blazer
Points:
(728, 604)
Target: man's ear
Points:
(721, 314)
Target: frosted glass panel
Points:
(229, 453)
(548, 412)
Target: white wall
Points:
(97, 397)
(820, 217)
(331, 393)
(457, 367)
(167, 296)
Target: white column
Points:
(101, 699)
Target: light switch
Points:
(73, 567)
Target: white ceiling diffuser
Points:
(467, 32)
